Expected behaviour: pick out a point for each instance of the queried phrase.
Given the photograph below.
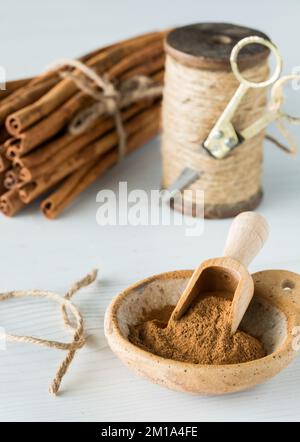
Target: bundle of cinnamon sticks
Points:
(40, 156)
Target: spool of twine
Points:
(198, 86)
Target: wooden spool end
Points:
(209, 45)
(221, 211)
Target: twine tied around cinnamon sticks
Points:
(74, 325)
(109, 99)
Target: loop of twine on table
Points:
(109, 99)
(193, 101)
(76, 329)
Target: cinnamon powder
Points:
(201, 336)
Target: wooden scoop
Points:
(229, 275)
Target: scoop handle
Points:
(247, 235)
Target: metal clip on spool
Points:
(224, 137)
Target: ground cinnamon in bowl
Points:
(201, 336)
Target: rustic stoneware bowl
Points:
(273, 317)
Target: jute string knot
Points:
(74, 325)
(109, 99)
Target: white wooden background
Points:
(51, 255)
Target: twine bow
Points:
(77, 329)
(109, 99)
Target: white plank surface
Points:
(51, 255)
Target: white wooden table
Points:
(36, 253)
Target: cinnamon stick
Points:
(11, 179)
(12, 86)
(56, 156)
(58, 120)
(4, 135)
(55, 72)
(49, 150)
(149, 68)
(137, 58)
(5, 164)
(34, 85)
(74, 185)
(46, 151)
(10, 203)
(32, 190)
(65, 89)
(46, 129)
(22, 97)
(2, 187)
(79, 181)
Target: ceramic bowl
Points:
(273, 317)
